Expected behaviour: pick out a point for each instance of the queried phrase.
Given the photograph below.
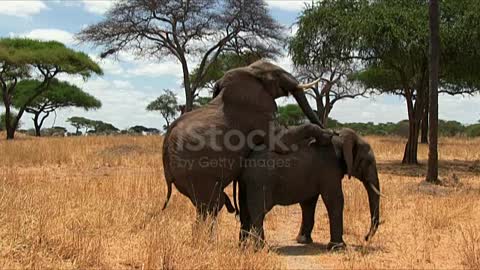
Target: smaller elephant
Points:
(301, 176)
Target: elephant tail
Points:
(169, 194)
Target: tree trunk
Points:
(415, 111)
(434, 11)
(410, 154)
(8, 115)
(326, 113)
(37, 125)
(8, 123)
(321, 110)
(424, 135)
(189, 95)
(10, 133)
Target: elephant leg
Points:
(244, 213)
(308, 220)
(208, 202)
(333, 200)
(257, 209)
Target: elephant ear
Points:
(348, 137)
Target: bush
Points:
(473, 130)
(450, 128)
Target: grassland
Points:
(95, 202)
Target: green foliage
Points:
(91, 126)
(450, 128)
(391, 37)
(290, 114)
(102, 127)
(473, 130)
(60, 94)
(3, 125)
(445, 128)
(166, 104)
(325, 34)
(22, 59)
(80, 122)
(22, 52)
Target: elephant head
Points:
(275, 81)
(360, 162)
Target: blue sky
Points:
(129, 84)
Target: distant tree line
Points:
(291, 114)
(445, 128)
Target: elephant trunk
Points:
(299, 96)
(373, 188)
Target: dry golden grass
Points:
(95, 202)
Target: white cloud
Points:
(288, 5)
(462, 109)
(98, 6)
(22, 8)
(49, 34)
(123, 105)
(284, 62)
(149, 69)
(108, 65)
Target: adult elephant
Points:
(203, 149)
(301, 176)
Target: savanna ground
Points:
(95, 202)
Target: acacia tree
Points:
(389, 39)
(80, 122)
(25, 58)
(59, 95)
(201, 29)
(335, 86)
(100, 127)
(167, 105)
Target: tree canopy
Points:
(186, 30)
(22, 59)
(79, 123)
(167, 105)
(59, 95)
(388, 41)
(91, 126)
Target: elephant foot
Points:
(304, 239)
(336, 246)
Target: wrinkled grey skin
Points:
(244, 100)
(314, 170)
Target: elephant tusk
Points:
(308, 85)
(377, 191)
